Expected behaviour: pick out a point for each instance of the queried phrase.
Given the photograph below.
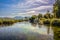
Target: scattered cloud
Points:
(25, 7)
(41, 8)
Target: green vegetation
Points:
(48, 15)
(33, 18)
(55, 23)
(56, 33)
(8, 21)
(40, 16)
(49, 18)
(56, 9)
(46, 22)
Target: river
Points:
(26, 31)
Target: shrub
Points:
(56, 22)
(46, 22)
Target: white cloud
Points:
(30, 11)
(42, 1)
(29, 3)
(41, 8)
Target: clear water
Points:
(26, 31)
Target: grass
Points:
(53, 22)
(8, 21)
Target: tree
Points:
(26, 18)
(39, 16)
(33, 18)
(48, 15)
(56, 9)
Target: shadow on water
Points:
(6, 25)
(34, 24)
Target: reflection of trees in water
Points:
(50, 32)
(56, 33)
(39, 25)
(5, 25)
(34, 24)
(49, 29)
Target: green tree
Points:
(39, 16)
(48, 15)
(33, 18)
(56, 9)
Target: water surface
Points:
(26, 31)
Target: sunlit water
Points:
(26, 31)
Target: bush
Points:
(46, 22)
(8, 22)
(0, 22)
(56, 22)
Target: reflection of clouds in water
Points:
(41, 30)
(34, 27)
(25, 28)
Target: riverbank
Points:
(53, 22)
(42, 21)
(9, 21)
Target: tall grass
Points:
(8, 21)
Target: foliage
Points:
(40, 16)
(7, 21)
(48, 15)
(56, 33)
(33, 18)
(56, 9)
(47, 22)
(56, 22)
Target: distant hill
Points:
(18, 17)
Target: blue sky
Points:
(11, 8)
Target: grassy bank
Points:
(9, 21)
(53, 22)
(56, 22)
